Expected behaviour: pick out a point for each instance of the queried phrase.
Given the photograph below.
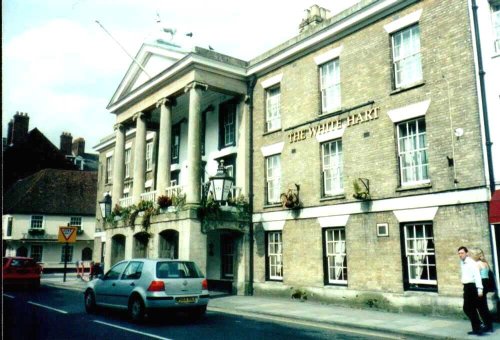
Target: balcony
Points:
(149, 196)
(174, 190)
(125, 202)
(44, 236)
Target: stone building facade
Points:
(378, 135)
(358, 144)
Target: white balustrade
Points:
(149, 196)
(174, 190)
(126, 202)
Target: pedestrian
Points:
(484, 269)
(473, 289)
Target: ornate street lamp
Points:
(220, 184)
(105, 205)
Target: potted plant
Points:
(164, 202)
(290, 199)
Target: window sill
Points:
(496, 55)
(407, 88)
(414, 187)
(271, 132)
(274, 281)
(333, 112)
(333, 197)
(272, 205)
(336, 285)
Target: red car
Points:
(21, 271)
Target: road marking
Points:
(313, 324)
(51, 308)
(132, 330)
(9, 296)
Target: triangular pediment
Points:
(151, 60)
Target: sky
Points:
(61, 67)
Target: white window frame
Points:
(128, 159)
(406, 56)
(418, 253)
(273, 109)
(336, 256)
(333, 164)
(414, 154)
(109, 169)
(275, 255)
(495, 18)
(36, 250)
(273, 178)
(329, 76)
(37, 222)
(149, 156)
(229, 128)
(70, 252)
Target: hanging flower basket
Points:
(290, 199)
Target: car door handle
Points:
(132, 284)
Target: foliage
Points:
(36, 231)
(361, 189)
(290, 199)
(299, 294)
(178, 200)
(164, 201)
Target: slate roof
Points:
(36, 152)
(53, 192)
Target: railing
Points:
(233, 194)
(126, 202)
(149, 196)
(174, 190)
(44, 236)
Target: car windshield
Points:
(177, 270)
(22, 263)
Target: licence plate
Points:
(186, 299)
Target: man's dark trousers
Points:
(470, 305)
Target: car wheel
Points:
(90, 306)
(136, 309)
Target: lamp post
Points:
(220, 184)
(105, 205)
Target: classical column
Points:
(164, 145)
(194, 142)
(243, 158)
(139, 157)
(119, 164)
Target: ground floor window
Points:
(335, 259)
(36, 252)
(419, 257)
(67, 253)
(274, 255)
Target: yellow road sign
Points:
(67, 234)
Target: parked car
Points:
(141, 286)
(21, 271)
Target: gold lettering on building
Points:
(334, 124)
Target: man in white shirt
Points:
(473, 288)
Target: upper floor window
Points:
(273, 115)
(420, 256)
(335, 255)
(330, 86)
(176, 142)
(36, 222)
(496, 26)
(76, 221)
(109, 169)
(332, 167)
(412, 150)
(406, 56)
(273, 178)
(128, 157)
(227, 128)
(149, 156)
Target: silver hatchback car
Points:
(144, 285)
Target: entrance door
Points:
(227, 257)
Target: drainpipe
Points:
(482, 88)
(250, 87)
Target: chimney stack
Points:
(18, 128)
(78, 146)
(66, 143)
(314, 16)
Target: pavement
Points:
(394, 325)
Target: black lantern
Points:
(220, 184)
(105, 205)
